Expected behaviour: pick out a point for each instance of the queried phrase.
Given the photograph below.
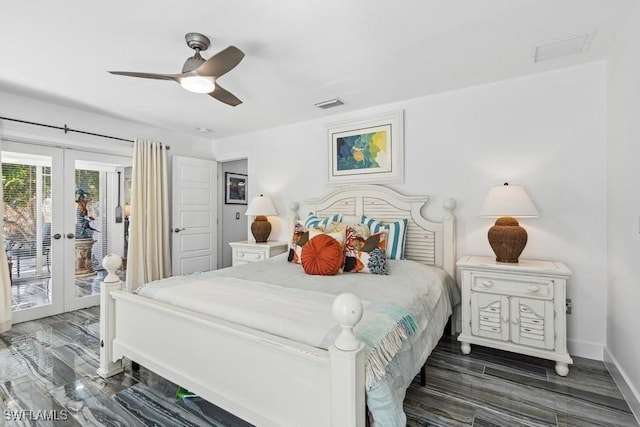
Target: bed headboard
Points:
(432, 243)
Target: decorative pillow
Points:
(314, 221)
(365, 254)
(369, 222)
(299, 239)
(341, 227)
(396, 235)
(322, 255)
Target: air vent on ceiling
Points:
(330, 103)
(564, 47)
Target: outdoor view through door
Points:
(41, 242)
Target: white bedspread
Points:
(279, 298)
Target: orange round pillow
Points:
(322, 256)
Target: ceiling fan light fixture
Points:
(198, 84)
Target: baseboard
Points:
(631, 395)
(585, 349)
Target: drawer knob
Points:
(534, 288)
(240, 254)
(487, 283)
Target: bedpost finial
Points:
(111, 263)
(449, 205)
(347, 310)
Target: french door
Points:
(60, 221)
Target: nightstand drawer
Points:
(248, 255)
(514, 285)
(245, 252)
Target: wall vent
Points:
(330, 103)
(564, 47)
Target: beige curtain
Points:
(148, 257)
(5, 283)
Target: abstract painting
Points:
(367, 151)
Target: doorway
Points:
(59, 223)
(232, 218)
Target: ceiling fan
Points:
(200, 75)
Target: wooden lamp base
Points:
(261, 229)
(507, 239)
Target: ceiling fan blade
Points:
(221, 63)
(225, 96)
(147, 75)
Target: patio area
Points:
(31, 289)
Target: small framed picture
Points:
(235, 188)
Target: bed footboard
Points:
(108, 366)
(265, 379)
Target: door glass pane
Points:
(26, 181)
(91, 231)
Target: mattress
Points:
(277, 297)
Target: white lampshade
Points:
(508, 200)
(261, 205)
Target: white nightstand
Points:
(248, 251)
(515, 307)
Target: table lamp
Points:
(261, 206)
(507, 238)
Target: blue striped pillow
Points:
(396, 231)
(313, 221)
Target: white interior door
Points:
(193, 215)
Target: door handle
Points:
(177, 230)
(70, 236)
(57, 236)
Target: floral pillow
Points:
(298, 240)
(365, 253)
(302, 235)
(341, 227)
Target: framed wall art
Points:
(235, 188)
(369, 151)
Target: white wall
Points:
(22, 108)
(623, 206)
(545, 132)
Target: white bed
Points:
(275, 378)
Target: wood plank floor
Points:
(50, 365)
(497, 388)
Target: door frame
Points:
(115, 163)
(231, 157)
(62, 250)
(57, 245)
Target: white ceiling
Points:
(367, 52)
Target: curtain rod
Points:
(67, 129)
